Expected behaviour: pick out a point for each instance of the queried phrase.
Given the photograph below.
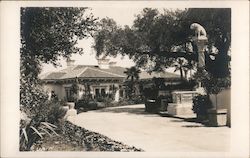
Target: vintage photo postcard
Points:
(125, 79)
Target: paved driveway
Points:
(152, 132)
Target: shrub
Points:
(82, 103)
(43, 122)
(211, 83)
(136, 99)
(92, 105)
(201, 104)
(94, 141)
(123, 101)
(101, 99)
(56, 112)
(41, 114)
(31, 96)
(33, 130)
(86, 104)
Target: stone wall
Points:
(182, 103)
(223, 99)
(223, 102)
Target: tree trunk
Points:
(216, 101)
(181, 73)
(185, 73)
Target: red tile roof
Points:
(52, 75)
(92, 71)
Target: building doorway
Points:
(97, 92)
(69, 94)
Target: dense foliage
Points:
(157, 39)
(217, 23)
(92, 141)
(201, 104)
(212, 84)
(132, 80)
(41, 121)
(86, 104)
(46, 34)
(31, 94)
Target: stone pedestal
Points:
(65, 108)
(71, 104)
(177, 109)
(182, 103)
(201, 46)
(217, 117)
(223, 101)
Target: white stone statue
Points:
(71, 113)
(117, 96)
(200, 32)
(200, 39)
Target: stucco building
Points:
(99, 80)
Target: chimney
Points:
(70, 62)
(103, 63)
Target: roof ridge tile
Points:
(107, 72)
(83, 71)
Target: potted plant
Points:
(213, 86)
(217, 116)
(201, 104)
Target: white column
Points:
(117, 95)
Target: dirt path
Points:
(151, 132)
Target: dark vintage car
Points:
(156, 100)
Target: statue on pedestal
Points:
(200, 39)
(200, 32)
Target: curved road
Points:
(152, 132)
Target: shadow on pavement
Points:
(129, 110)
(193, 126)
(191, 120)
(180, 119)
(141, 111)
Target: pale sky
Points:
(123, 16)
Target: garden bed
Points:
(56, 143)
(75, 138)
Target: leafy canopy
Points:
(217, 23)
(47, 33)
(161, 38)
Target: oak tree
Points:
(162, 38)
(48, 33)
